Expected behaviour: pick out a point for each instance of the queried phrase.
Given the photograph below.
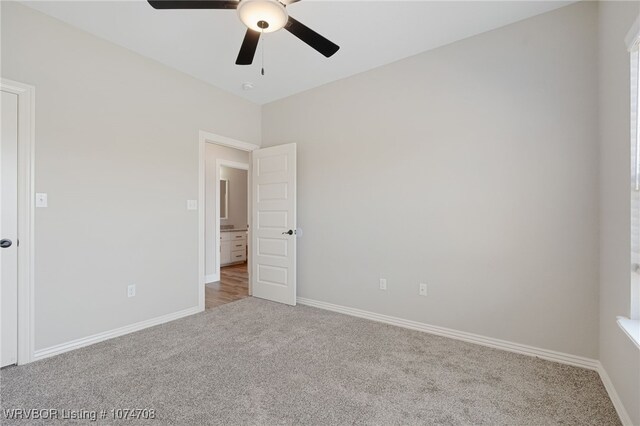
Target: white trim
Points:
(559, 357)
(230, 164)
(201, 221)
(631, 328)
(225, 141)
(90, 340)
(549, 355)
(203, 138)
(26, 199)
(613, 395)
(633, 36)
(211, 278)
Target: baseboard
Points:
(90, 340)
(400, 322)
(560, 357)
(613, 395)
(211, 278)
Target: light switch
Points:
(41, 199)
(192, 204)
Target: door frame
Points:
(204, 138)
(239, 166)
(26, 215)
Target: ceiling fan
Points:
(259, 16)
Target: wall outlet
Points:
(423, 289)
(131, 290)
(383, 283)
(192, 204)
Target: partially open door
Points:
(9, 230)
(273, 228)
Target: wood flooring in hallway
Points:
(233, 285)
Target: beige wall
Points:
(117, 153)
(472, 168)
(237, 189)
(618, 355)
(212, 153)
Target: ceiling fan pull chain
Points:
(262, 71)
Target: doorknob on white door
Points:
(289, 232)
(5, 243)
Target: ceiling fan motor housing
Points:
(263, 15)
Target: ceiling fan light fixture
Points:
(263, 15)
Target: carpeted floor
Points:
(257, 362)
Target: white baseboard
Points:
(211, 278)
(560, 357)
(613, 395)
(90, 340)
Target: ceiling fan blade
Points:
(193, 4)
(288, 2)
(312, 38)
(248, 48)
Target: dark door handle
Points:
(289, 232)
(5, 243)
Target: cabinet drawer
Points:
(233, 236)
(238, 245)
(238, 255)
(237, 236)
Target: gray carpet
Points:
(256, 362)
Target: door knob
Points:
(5, 243)
(289, 232)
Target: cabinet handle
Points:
(239, 255)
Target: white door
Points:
(9, 230)
(273, 238)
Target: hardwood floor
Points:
(233, 285)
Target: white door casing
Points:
(9, 230)
(273, 244)
(205, 138)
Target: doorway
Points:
(232, 224)
(227, 201)
(272, 233)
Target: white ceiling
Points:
(205, 43)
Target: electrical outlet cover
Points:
(383, 283)
(41, 200)
(423, 289)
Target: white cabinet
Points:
(233, 247)
(225, 252)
